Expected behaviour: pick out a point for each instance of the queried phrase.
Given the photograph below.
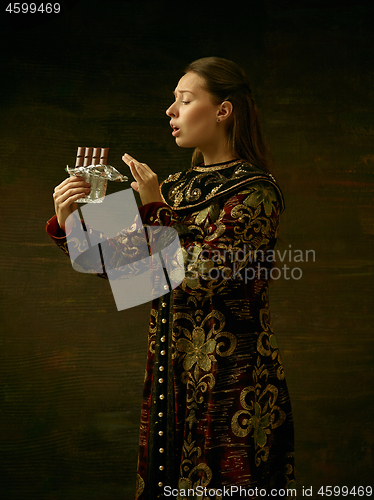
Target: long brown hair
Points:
(226, 81)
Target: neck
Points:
(218, 154)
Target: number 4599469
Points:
(344, 491)
(32, 8)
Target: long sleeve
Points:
(128, 247)
(133, 251)
(225, 239)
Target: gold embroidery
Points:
(197, 343)
(191, 189)
(217, 167)
(193, 476)
(152, 330)
(202, 216)
(139, 486)
(173, 177)
(196, 350)
(262, 193)
(260, 414)
(178, 198)
(213, 192)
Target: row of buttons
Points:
(162, 396)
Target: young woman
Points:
(216, 415)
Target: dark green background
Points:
(102, 74)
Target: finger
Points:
(140, 171)
(76, 179)
(72, 194)
(128, 159)
(71, 182)
(143, 171)
(131, 163)
(146, 173)
(134, 171)
(72, 178)
(70, 202)
(135, 186)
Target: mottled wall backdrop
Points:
(102, 74)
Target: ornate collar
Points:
(215, 166)
(199, 184)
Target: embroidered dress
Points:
(216, 412)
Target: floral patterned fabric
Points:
(216, 411)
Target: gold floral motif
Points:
(263, 193)
(251, 222)
(260, 414)
(192, 476)
(198, 386)
(260, 424)
(197, 350)
(196, 340)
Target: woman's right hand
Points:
(65, 196)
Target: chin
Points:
(183, 143)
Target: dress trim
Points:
(216, 166)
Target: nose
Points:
(171, 111)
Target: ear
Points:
(224, 110)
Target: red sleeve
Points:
(217, 250)
(148, 212)
(57, 234)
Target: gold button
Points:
(163, 353)
(163, 320)
(161, 450)
(162, 396)
(161, 467)
(164, 304)
(160, 433)
(160, 414)
(163, 338)
(161, 368)
(160, 380)
(160, 484)
(166, 287)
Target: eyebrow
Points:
(181, 92)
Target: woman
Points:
(216, 413)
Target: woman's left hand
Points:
(146, 181)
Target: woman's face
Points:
(193, 114)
